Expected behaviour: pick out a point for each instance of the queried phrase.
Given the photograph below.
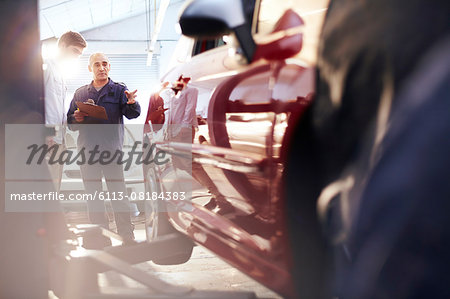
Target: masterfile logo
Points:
(114, 163)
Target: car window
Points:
(203, 45)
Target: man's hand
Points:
(79, 116)
(131, 96)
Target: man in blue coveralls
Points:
(105, 135)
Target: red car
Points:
(251, 94)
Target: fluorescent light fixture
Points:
(163, 4)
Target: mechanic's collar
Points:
(110, 84)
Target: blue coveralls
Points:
(108, 135)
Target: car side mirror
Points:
(214, 18)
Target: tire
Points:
(156, 217)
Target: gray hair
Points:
(96, 54)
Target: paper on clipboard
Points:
(92, 110)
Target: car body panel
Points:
(236, 209)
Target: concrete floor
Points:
(204, 271)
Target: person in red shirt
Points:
(153, 123)
(155, 112)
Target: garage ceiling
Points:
(59, 16)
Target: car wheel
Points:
(158, 224)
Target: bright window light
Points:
(49, 50)
(68, 68)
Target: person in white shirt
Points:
(70, 46)
(181, 119)
(181, 100)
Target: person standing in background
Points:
(106, 135)
(181, 100)
(155, 112)
(153, 123)
(70, 46)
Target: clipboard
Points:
(92, 110)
